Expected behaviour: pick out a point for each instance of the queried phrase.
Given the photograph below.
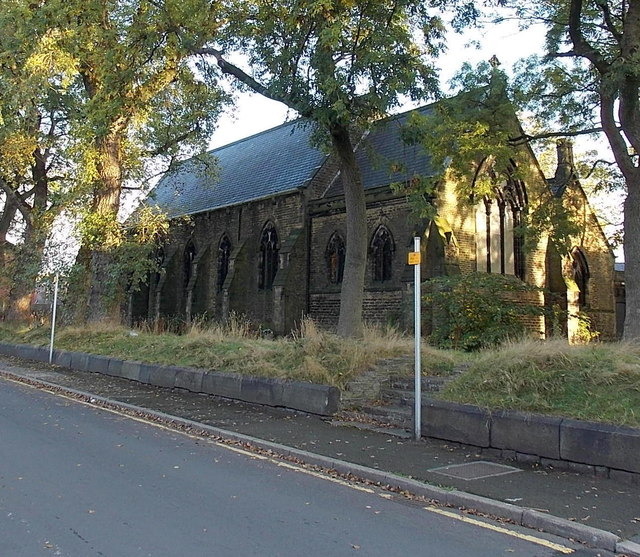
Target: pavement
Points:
(601, 512)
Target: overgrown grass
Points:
(599, 382)
(308, 355)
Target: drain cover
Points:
(475, 470)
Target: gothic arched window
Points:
(381, 250)
(581, 274)
(189, 257)
(268, 263)
(224, 256)
(499, 235)
(334, 255)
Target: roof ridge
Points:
(268, 130)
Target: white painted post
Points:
(417, 422)
(53, 317)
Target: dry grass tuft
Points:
(598, 381)
(593, 382)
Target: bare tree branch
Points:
(526, 138)
(606, 15)
(230, 69)
(581, 46)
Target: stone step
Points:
(395, 397)
(402, 394)
(400, 416)
(429, 383)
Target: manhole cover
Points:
(475, 470)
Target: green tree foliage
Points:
(36, 177)
(589, 82)
(474, 138)
(479, 310)
(340, 64)
(122, 72)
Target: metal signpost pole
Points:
(417, 334)
(53, 317)
(414, 259)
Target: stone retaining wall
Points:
(308, 397)
(602, 449)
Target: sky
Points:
(254, 113)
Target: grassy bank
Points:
(309, 355)
(599, 382)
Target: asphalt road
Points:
(78, 481)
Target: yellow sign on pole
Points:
(414, 258)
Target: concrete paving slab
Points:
(475, 470)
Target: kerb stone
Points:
(262, 390)
(62, 358)
(569, 529)
(309, 397)
(130, 370)
(629, 548)
(115, 367)
(37, 353)
(79, 361)
(8, 349)
(189, 379)
(484, 505)
(98, 364)
(222, 384)
(161, 376)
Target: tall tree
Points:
(340, 64)
(136, 96)
(33, 169)
(589, 82)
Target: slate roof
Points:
(384, 158)
(275, 161)
(281, 160)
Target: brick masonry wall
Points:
(383, 300)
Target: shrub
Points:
(479, 310)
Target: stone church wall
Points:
(243, 225)
(383, 301)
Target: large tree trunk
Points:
(6, 218)
(26, 267)
(102, 301)
(632, 262)
(28, 259)
(6, 253)
(352, 293)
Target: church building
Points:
(263, 234)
